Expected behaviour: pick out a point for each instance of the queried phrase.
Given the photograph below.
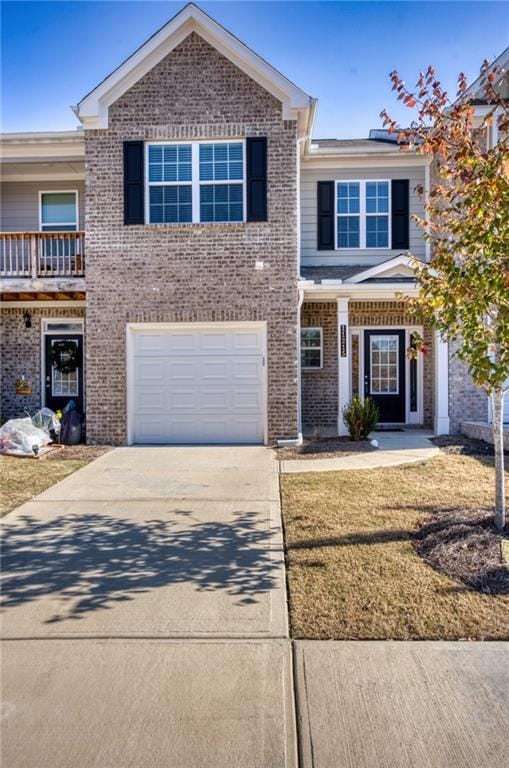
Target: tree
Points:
(464, 289)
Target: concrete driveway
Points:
(150, 542)
(144, 612)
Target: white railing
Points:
(42, 254)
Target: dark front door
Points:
(63, 386)
(384, 373)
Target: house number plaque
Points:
(342, 340)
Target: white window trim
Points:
(60, 223)
(195, 182)
(362, 215)
(320, 348)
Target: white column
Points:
(441, 422)
(343, 362)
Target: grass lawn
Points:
(21, 479)
(353, 570)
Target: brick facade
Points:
(20, 353)
(466, 401)
(189, 272)
(320, 388)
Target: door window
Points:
(64, 384)
(383, 352)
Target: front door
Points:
(62, 386)
(384, 373)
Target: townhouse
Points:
(191, 265)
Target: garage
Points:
(196, 383)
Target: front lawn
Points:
(353, 567)
(21, 479)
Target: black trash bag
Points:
(70, 427)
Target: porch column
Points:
(343, 362)
(441, 421)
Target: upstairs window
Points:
(58, 211)
(195, 182)
(170, 200)
(362, 214)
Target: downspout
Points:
(299, 374)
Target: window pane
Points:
(348, 197)
(384, 377)
(377, 231)
(58, 208)
(310, 337)
(221, 202)
(310, 358)
(170, 205)
(56, 327)
(221, 162)
(348, 232)
(169, 162)
(377, 197)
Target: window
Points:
(311, 348)
(195, 182)
(362, 214)
(170, 201)
(384, 364)
(58, 211)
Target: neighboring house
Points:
(220, 275)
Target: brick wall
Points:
(20, 352)
(189, 272)
(466, 401)
(320, 387)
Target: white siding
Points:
(309, 179)
(19, 203)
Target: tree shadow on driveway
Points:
(94, 561)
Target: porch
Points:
(362, 348)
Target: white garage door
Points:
(197, 384)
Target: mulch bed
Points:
(78, 452)
(325, 448)
(460, 445)
(465, 545)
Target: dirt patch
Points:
(78, 452)
(325, 448)
(460, 445)
(463, 544)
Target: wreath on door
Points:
(65, 355)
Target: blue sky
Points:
(53, 53)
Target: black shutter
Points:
(400, 214)
(256, 178)
(133, 182)
(325, 216)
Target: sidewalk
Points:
(395, 448)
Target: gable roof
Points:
(395, 269)
(92, 110)
(474, 91)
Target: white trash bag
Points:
(46, 419)
(19, 437)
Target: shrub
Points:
(360, 417)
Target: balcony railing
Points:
(42, 254)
